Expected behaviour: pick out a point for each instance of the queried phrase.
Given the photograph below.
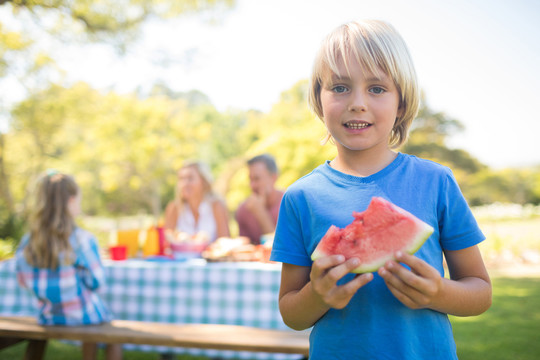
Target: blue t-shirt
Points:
(375, 325)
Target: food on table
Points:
(235, 249)
(184, 242)
(375, 235)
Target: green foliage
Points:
(432, 127)
(10, 41)
(106, 20)
(125, 149)
(291, 133)
(519, 186)
(455, 158)
(480, 184)
(427, 139)
(12, 227)
(7, 248)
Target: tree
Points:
(124, 149)
(517, 186)
(291, 133)
(427, 139)
(81, 21)
(116, 21)
(108, 21)
(10, 41)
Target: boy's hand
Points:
(416, 288)
(325, 273)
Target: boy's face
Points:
(359, 109)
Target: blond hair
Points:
(205, 174)
(51, 222)
(375, 45)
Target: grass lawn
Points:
(509, 330)
(57, 350)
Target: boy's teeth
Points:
(357, 126)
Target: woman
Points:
(196, 210)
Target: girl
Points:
(60, 264)
(196, 210)
(364, 89)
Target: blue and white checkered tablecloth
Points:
(194, 291)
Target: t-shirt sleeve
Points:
(457, 225)
(289, 246)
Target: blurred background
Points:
(121, 93)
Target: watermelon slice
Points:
(375, 235)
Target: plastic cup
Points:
(118, 252)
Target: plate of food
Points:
(235, 249)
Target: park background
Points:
(120, 93)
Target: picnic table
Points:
(181, 292)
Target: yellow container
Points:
(130, 238)
(151, 244)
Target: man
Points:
(258, 214)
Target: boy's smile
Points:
(356, 125)
(359, 108)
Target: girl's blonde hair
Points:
(376, 45)
(51, 222)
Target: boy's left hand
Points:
(416, 288)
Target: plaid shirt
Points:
(67, 295)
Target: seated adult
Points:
(258, 214)
(196, 210)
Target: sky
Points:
(477, 61)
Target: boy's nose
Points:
(358, 102)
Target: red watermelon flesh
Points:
(375, 235)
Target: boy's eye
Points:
(339, 89)
(377, 90)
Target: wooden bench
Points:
(14, 329)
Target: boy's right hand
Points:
(324, 275)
